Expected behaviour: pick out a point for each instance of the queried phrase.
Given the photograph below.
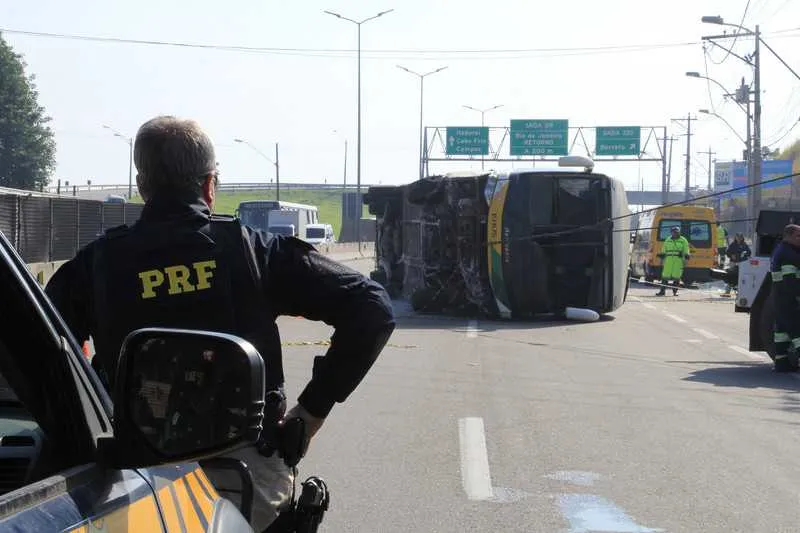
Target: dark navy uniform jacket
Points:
(295, 280)
(784, 254)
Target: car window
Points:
(665, 228)
(315, 233)
(21, 438)
(700, 233)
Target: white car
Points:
(317, 234)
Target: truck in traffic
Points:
(754, 294)
(284, 218)
(319, 234)
(509, 244)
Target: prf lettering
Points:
(179, 278)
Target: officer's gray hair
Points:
(172, 156)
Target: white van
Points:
(319, 234)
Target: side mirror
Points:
(183, 396)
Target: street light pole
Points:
(754, 154)
(483, 113)
(265, 156)
(358, 23)
(128, 140)
(421, 108)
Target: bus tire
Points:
(766, 325)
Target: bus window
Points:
(700, 234)
(665, 228)
(577, 203)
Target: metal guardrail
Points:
(69, 190)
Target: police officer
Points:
(180, 266)
(675, 253)
(737, 252)
(722, 244)
(785, 270)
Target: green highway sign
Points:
(539, 137)
(467, 141)
(623, 140)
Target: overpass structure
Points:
(653, 197)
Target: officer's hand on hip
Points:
(312, 423)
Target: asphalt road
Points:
(654, 420)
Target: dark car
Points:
(71, 459)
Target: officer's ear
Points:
(210, 190)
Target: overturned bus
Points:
(504, 245)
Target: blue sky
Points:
(299, 99)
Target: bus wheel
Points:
(766, 326)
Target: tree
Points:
(791, 152)
(27, 146)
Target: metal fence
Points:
(73, 190)
(45, 229)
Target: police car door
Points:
(52, 409)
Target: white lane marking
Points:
(472, 329)
(751, 355)
(474, 459)
(635, 299)
(675, 318)
(694, 341)
(649, 306)
(706, 334)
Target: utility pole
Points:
(756, 155)
(710, 169)
(689, 118)
(664, 187)
(672, 140)
(277, 175)
(754, 142)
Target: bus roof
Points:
(686, 211)
(274, 204)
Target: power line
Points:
(240, 48)
(736, 37)
(790, 130)
(331, 52)
(780, 8)
(708, 79)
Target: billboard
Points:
(732, 176)
(723, 176)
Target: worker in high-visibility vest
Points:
(722, 244)
(675, 254)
